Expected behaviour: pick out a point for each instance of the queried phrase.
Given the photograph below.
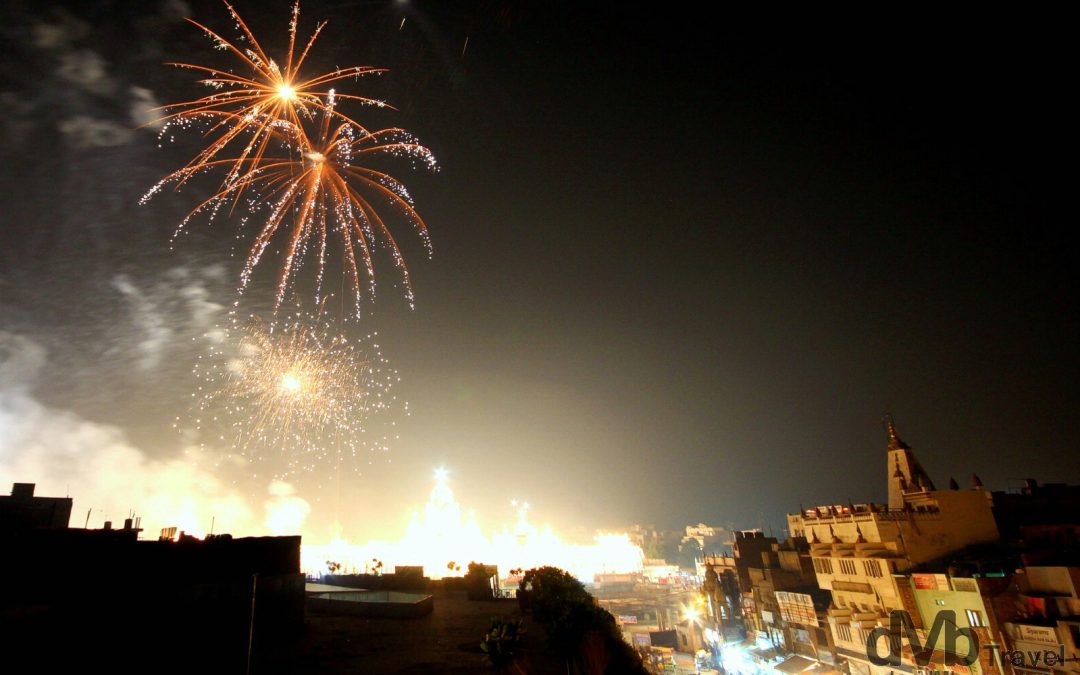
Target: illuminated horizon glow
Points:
(444, 540)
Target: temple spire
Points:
(895, 442)
(906, 474)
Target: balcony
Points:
(866, 620)
(852, 586)
(840, 614)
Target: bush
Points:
(502, 643)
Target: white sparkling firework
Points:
(295, 396)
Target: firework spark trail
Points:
(314, 186)
(255, 105)
(295, 388)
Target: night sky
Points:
(684, 260)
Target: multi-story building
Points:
(907, 577)
(1043, 635)
(729, 586)
(709, 538)
(805, 618)
(1035, 510)
(723, 597)
(943, 605)
(801, 606)
(861, 552)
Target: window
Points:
(844, 631)
(847, 567)
(872, 568)
(823, 565)
(974, 617)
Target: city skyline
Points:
(680, 270)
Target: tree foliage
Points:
(575, 626)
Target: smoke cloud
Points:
(108, 477)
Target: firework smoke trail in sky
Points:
(320, 182)
(295, 394)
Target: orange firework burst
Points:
(272, 96)
(315, 187)
(324, 187)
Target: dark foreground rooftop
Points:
(445, 641)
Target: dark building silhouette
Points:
(23, 511)
(1036, 509)
(119, 604)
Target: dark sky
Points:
(683, 260)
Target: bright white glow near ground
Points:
(441, 534)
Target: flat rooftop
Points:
(446, 641)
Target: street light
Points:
(692, 615)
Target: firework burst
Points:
(295, 391)
(296, 160)
(247, 108)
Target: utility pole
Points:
(251, 626)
